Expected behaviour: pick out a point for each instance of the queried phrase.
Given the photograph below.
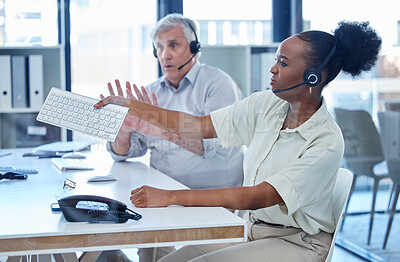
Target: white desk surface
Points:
(30, 227)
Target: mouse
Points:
(101, 178)
(73, 155)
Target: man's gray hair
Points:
(174, 20)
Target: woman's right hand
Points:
(147, 196)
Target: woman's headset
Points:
(312, 77)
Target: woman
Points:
(294, 150)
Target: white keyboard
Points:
(76, 112)
(70, 164)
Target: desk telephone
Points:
(93, 209)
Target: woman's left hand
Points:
(147, 196)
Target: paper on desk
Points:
(68, 146)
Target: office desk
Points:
(30, 227)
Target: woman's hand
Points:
(132, 123)
(169, 120)
(147, 196)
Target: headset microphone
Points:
(179, 68)
(286, 89)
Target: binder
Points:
(19, 83)
(35, 68)
(5, 82)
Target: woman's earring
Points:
(310, 89)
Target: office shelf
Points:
(18, 127)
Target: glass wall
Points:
(231, 22)
(378, 89)
(110, 40)
(28, 23)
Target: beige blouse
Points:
(301, 163)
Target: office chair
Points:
(392, 106)
(389, 123)
(363, 153)
(341, 193)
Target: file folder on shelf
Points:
(19, 83)
(35, 81)
(5, 82)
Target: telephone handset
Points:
(93, 209)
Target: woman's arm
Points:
(176, 122)
(242, 198)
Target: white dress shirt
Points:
(301, 163)
(203, 90)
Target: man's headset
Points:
(195, 47)
(313, 77)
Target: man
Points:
(195, 88)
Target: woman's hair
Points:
(357, 49)
(174, 20)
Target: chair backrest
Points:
(363, 148)
(392, 106)
(340, 194)
(389, 123)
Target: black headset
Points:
(195, 45)
(312, 77)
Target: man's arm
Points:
(122, 143)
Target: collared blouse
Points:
(301, 163)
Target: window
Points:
(231, 22)
(28, 23)
(375, 89)
(110, 40)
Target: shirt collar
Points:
(193, 72)
(189, 78)
(310, 127)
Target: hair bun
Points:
(358, 46)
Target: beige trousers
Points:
(266, 243)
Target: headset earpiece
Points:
(195, 45)
(154, 51)
(312, 77)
